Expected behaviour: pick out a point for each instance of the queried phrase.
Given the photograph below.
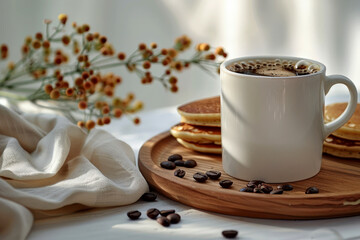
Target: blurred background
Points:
(323, 30)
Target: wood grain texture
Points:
(337, 181)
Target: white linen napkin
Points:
(50, 167)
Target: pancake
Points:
(204, 112)
(341, 147)
(197, 134)
(205, 148)
(350, 130)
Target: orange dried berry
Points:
(87, 85)
(36, 44)
(79, 30)
(62, 18)
(142, 46)
(219, 51)
(154, 59)
(4, 48)
(73, 24)
(186, 65)
(153, 45)
(94, 79)
(65, 39)
(136, 120)
(28, 40)
(102, 39)
(82, 105)
(109, 91)
(164, 51)
(81, 58)
(131, 96)
(204, 47)
(85, 75)
(48, 88)
(117, 112)
(64, 84)
(79, 82)
(89, 37)
(39, 36)
(174, 88)
(96, 35)
(11, 65)
(168, 72)
(55, 94)
(81, 124)
(118, 79)
(25, 49)
(121, 56)
(210, 56)
(165, 62)
(178, 66)
(172, 80)
(106, 120)
(172, 52)
(58, 60)
(224, 55)
(99, 122)
(146, 65)
(104, 51)
(86, 27)
(69, 92)
(90, 124)
(144, 80)
(46, 44)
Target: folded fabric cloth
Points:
(50, 167)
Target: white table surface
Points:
(113, 223)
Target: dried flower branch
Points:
(65, 68)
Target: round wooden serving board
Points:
(338, 182)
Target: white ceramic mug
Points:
(272, 128)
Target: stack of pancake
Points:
(199, 128)
(344, 142)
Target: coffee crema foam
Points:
(274, 67)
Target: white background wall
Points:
(324, 30)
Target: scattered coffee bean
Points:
(285, 187)
(255, 183)
(149, 197)
(168, 165)
(230, 233)
(133, 215)
(166, 212)
(226, 183)
(213, 174)
(175, 157)
(174, 218)
(266, 188)
(179, 163)
(247, 189)
(200, 177)
(312, 190)
(190, 163)
(179, 173)
(258, 190)
(153, 213)
(277, 191)
(163, 221)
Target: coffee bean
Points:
(163, 221)
(168, 165)
(312, 190)
(200, 177)
(179, 163)
(174, 218)
(175, 157)
(149, 197)
(166, 212)
(179, 173)
(230, 233)
(277, 191)
(258, 190)
(213, 174)
(190, 163)
(153, 213)
(225, 183)
(285, 187)
(255, 183)
(266, 188)
(133, 215)
(247, 189)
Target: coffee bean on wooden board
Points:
(190, 163)
(179, 163)
(167, 212)
(226, 183)
(179, 173)
(213, 174)
(133, 215)
(174, 218)
(255, 183)
(312, 190)
(230, 233)
(149, 197)
(200, 177)
(168, 165)
(277, 191)
(266, 188)
(258, 190)
(163, 221)
(247, 189)
(153, 213)
(175, 157)
(285, 187)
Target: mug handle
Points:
(350, 109)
